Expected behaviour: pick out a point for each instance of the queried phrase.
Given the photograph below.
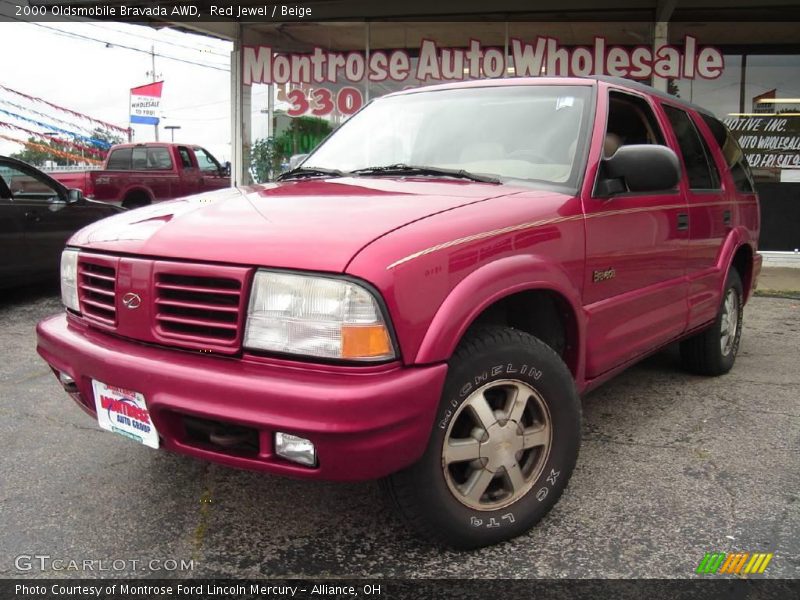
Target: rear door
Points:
(636, 244)
(710, 215)
(154, 168)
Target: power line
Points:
(118, 45)
(258, 95)
(158, 40)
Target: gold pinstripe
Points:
(533, 224)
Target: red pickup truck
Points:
(135, 175)
(424, 298)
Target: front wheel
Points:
(713, 351)
(503, 446)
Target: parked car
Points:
(424, 298)
(135, 175)
(37, 217)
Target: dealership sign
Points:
(543, 56)
(145, 103)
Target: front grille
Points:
(97, 291)
(180, 304)
(198, 308)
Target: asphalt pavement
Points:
(672, 466)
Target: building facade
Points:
(293, 82)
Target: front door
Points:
(636, 244)
(37, 202)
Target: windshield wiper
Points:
(403, 169)
(301, 172)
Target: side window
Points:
(21, 185)
(700, 168)
(120, 160)
(186, 159)
(734, 155)
(5, 193)
(139, 159)
(206, 162)
(158, 158)
(630, 121)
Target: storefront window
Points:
(303, 82)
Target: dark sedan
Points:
(37, 216)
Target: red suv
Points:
(424, 298)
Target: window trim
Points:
(710, 161)
(705, 118)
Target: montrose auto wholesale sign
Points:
(307, 74)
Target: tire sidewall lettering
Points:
(515, 370)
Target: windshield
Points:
(509, 132)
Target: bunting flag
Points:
(51, 150)
(93, 152)
(74, 113)
(145, 103)
(97, 142)
(25, 109)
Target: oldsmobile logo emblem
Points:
(132, 300)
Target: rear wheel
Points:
(713, 351)
(136, 200)
(503, 446)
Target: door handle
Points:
(32, 216)
(726, 218)
(683, 221)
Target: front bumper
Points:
(365, 423)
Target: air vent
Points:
(197, 308)
(97, 291)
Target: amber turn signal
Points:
(366, 341)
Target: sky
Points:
(90, 68)
(49, 61)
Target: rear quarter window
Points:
(734, 155)
(120, 160)
(159, 158)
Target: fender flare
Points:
(735, 239)
(485, 286)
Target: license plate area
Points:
(124, 412)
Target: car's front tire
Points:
(503, 445)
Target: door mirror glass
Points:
(74, 196)
(295, 160)
(639, 168)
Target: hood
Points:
(307, 224)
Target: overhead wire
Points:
(107, 43)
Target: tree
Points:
(105, 136)
(269, 156)
(38, 156)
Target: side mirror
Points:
(639, 168)
(74, 196)
(226, 169)
(295, 160)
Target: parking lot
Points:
(672, 466)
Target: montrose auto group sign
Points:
(306, 75)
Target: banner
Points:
(145, 103)
(309, 77)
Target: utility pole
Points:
(153, 75)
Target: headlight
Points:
(315, 316)
(69, 279)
